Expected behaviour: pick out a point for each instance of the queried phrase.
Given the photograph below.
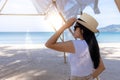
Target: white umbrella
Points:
(68, 8)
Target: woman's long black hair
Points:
(90, 38)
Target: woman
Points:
(84, 57)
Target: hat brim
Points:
(88, 26)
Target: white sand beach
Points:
(36, 62)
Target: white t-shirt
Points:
(80, 61)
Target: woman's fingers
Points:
(70, 22)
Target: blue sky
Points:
(109, 15)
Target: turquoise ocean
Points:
(42, 37)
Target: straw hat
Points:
(89, 22)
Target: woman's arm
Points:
(99, 70)
(61, 46)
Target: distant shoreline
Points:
(110, 28)
(42, 37)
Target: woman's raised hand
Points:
(70, 22)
